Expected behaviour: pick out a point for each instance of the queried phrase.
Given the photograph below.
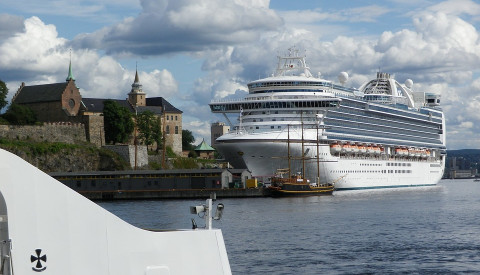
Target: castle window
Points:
(175, 117)
(171, 117)
(167, 130)
(176, 130)
(167, 117)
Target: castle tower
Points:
(137, 97)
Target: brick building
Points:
(62, 102)
(52, 102)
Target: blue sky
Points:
(193, 51)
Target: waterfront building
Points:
(63, 102)
(217, 130)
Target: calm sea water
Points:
(422, 230)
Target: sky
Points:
(193, 51)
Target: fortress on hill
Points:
(62, 104)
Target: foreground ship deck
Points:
(47, 227)
(384, 134)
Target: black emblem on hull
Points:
(38, 266)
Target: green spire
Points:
(70, 74)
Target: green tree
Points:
(149, 128)
(20, 115)
(3, 94)
(118, 122)
(187, 140)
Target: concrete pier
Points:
(172, 194)
(160, 184)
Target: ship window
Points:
(272, 127)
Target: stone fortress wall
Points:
(65, 132)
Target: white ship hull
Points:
(263, 156)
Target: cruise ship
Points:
(383, 134)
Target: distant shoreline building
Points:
(63, 102)
(217, 129)
(205, 151)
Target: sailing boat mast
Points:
(318, 161)
(303, 150)
(288, 150)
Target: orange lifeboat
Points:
(335, 148)
(348, 148)
(362, 149)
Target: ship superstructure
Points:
(383, 134)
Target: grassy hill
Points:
(62, 157)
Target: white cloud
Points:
(9, 25)
(38, 46)
(457, 7)
(98, 10)
(162, 27)
(38, 55)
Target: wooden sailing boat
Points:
(297, 185)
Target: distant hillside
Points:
(470, 158)
(463, 152)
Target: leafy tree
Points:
(3, 94)
(149, 128)
(118, 122)
(20, 115)
(187, 140)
